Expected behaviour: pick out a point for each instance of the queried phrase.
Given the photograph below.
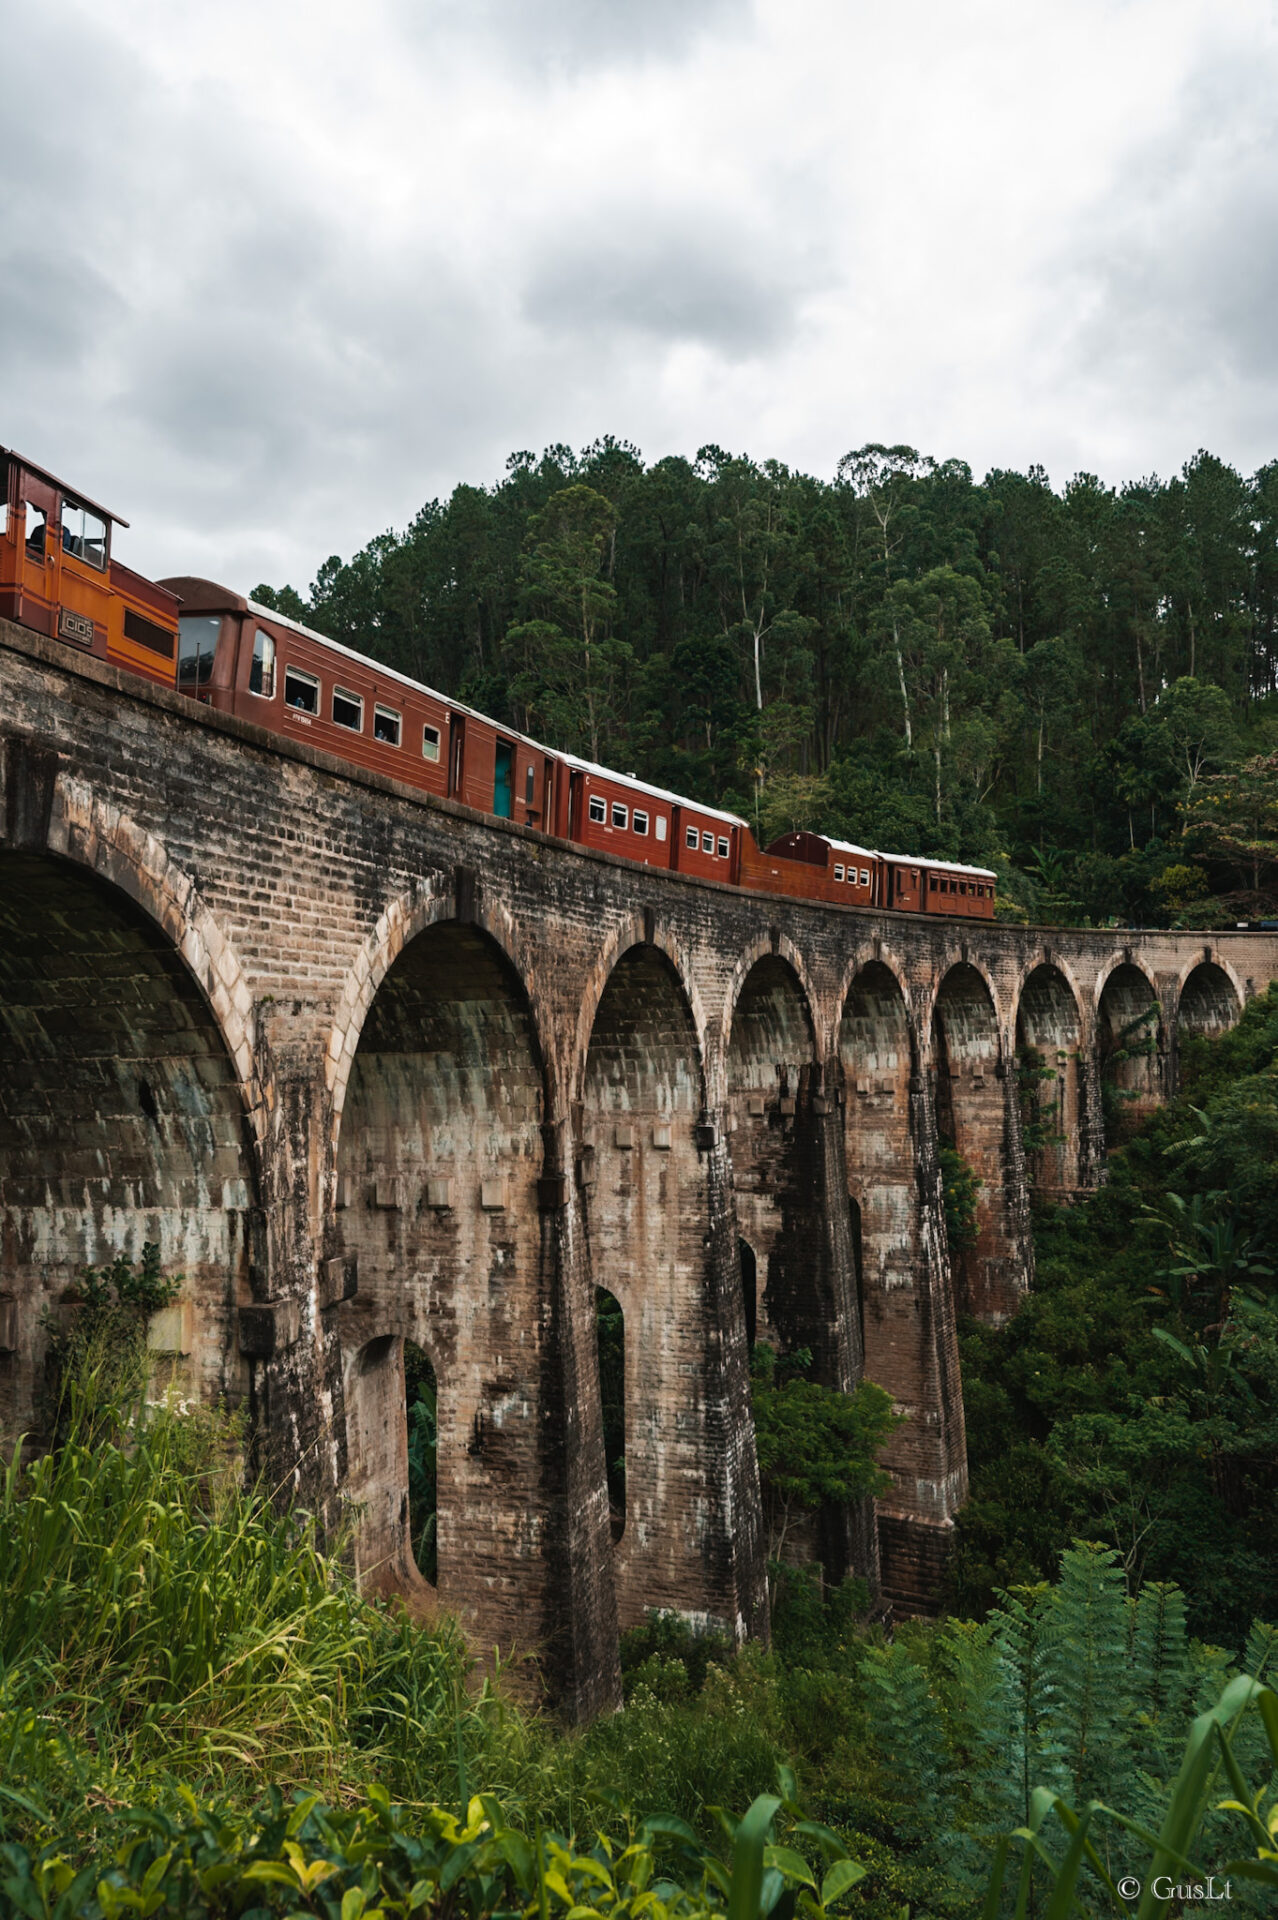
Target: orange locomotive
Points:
(57, 576)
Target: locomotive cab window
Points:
(620, 815)
(301, 690)
(84, 534)
(386, 725)
(640, 820)
(598, 809)
(197, 643)
(37, 527)
(262, 667)
(430, 743)
(692, 838)
(348, 710)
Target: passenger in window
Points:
(37, 521)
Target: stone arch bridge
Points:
(373, 1069)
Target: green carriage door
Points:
(502, 780)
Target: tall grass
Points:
(159, 1622)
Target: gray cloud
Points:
(728, 290)
(575, 36)
(266, 294)
(1173, 274)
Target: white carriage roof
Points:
(458, 706)
(653, 793)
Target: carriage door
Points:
(456, 755)
(502, 780)
(38, 551)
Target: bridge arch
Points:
(969, 1078)
(1209, 998)
(907, 1299)
(644, 1177)
(877, 1066)
(124, 1117)
(438, 1167)
(427, 904)
(1051, 1080)
(1130, 1040)
(778, 1177)
(793, 964)
(85, 830)
(624, 939)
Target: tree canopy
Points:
(1055, 681)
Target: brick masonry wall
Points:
(373, 1068)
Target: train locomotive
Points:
(58, 577)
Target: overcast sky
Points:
(275, 272)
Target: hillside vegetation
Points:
(1054, 682)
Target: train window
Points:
(348, 710)
(84, 534)
(37, 522)
(865, 876)
(640, 821)
(262, 669)
(707, 843)
(660, 824)
(838, 875)
(723, 849)
(598, 809)
(197, 642)
(386, 725)
(530, 785)
(620, 814)
(692, 837)
(430, 743)
(301, 690)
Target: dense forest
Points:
(1077, 687)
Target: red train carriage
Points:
(245, 659)
(809, 866)
(57, 575)
(849, 875)
(619, 814)
(966, 891)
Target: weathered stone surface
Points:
(371, 1068)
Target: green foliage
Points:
(1178, 1849)
(1036, 1084)
(302, 1856)
(669, 1656)
(158, 1624)
(103, 1332)
(1134, 1398)
(1071, 1690)
(422, 1412)
(610, 1332)
(814, 1443)
(960, 1189)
